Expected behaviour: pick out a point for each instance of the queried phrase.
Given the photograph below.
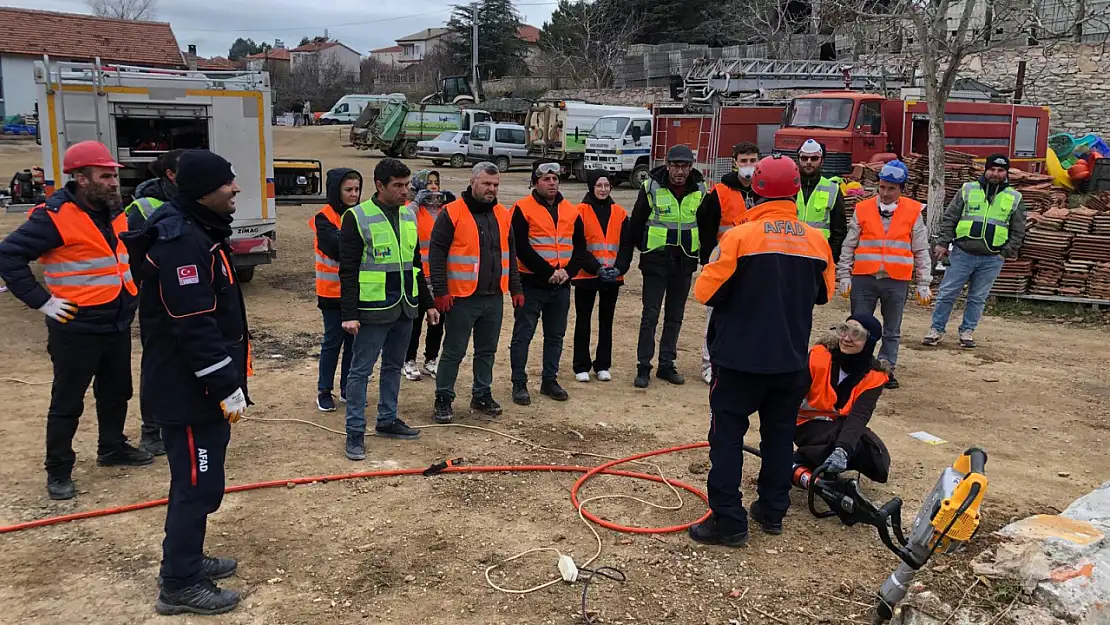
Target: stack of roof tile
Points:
(1046, 277)
(1014, 277)
(1090, 247)
(1080, 220)
(1098, 284)
(1074, 281)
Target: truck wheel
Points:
(458, 161)
(502, 163)
(639, 175)
(409, 150)
(244, 274)
(437, 162)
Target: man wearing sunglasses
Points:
(887, 244)
(665, 227)
(820, 203)
(550, 244)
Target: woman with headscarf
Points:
(845, 384)
(605, 224)
(429, 199)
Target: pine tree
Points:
(501, 52)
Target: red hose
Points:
(588, 471)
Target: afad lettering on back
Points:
(202, 460)
(782, 226)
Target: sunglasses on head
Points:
(855, 333)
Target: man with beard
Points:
(726, 206)
(89, 302)
(820, 203)
(664, 226)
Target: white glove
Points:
(845, 287)
(58, 309)
(234, 405)
(924, 295)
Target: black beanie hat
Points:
(998, 160)
(200, 172)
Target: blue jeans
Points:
(391, 340)
(979, 273)
(334, 339)
(890, 294)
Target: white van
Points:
(349, 107)
(500, 144)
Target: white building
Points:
(326, 52)
(387, 56)
(417, 46)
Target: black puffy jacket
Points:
(37, 236)
(192, 317)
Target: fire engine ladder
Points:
(723, 78)
(56, 80)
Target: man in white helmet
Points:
(820, 203)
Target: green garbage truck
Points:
(402, 124)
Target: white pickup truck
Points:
(140, 113)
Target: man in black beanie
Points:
(196, 359)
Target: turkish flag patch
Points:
(188, 275)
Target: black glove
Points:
(608, 274)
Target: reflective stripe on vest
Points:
(887, 249)
(327, 269)
(464, 255)
(733, 208)
(816, 212)
(820, 401)
(85, 270)
(386, 276)
(989, 223)
(670, 219)
(145, 205)
(604, 245)
(554, 242)
(425, 221)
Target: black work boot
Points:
(643, 377)
(397, 429)
(552, 389)
(769, 527)
(203, 598)
(520, 394)
(218, 568)
(891, 383)
(444, 413)
(710, 532)
(60, 488)
(153, 445)
(670, 374)
(486, 405)
(125, 456)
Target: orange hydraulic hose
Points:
(588, 471)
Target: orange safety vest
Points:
(424, 224)
(85, 270)
(733, 209)
(553, 242)
(879, 249)
(465, 254)
(603, 245)
(820, 402)
(327, 269)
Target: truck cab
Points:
(621, 145)
(852, 126)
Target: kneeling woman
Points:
(846, 382)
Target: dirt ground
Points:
(413, 550)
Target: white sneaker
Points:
(412, 372)
(582, 377)
(431, 367)
(604, 376)
(707, 375)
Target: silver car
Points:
(449, 147)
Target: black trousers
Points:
(150, 431)
(817, 439)
(196, 456)
(103, 360)
(431, 342)
(583, 317)
(733, 397)
(666, 287)
(553, 307)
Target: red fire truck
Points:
(712, 135)
(861, 127)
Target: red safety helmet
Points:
(87, 154)
(776, 177)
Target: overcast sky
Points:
(363, 25)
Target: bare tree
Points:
(124, 9)
(943, 34)
(321, 81)
(586, 42)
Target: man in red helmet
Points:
(89, 301)
(762, 281)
